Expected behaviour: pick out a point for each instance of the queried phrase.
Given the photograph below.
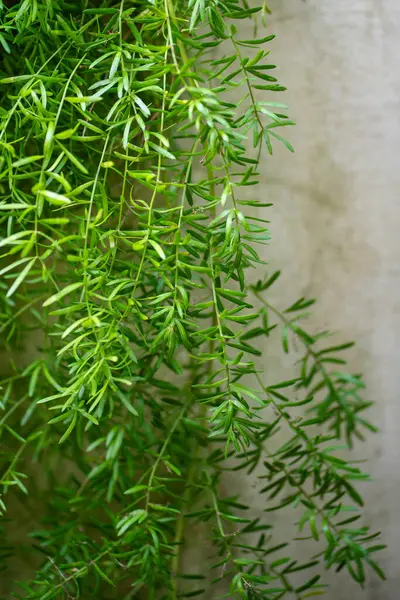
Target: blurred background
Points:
(336, 219)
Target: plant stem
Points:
(310, 350)
(163, 449)
(180, 528)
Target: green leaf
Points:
(22, 162)
(258, 41)
(70, 429)
(309, 584)
(20, 278)
(102, 574)
(158, 249)
(15, 206)
(136, 489)
(54, 198)
(376, 568)
(4, 43)
(63, 292)
(66, 134)
(74, 160)
(313, 527)
(16, 238)
(283, 140)
(137, 516)
(161, 150)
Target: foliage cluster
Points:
(129, 219)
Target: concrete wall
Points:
(336, 219)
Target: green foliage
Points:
(127, 227)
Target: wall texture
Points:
(336, 219)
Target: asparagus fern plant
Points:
(129, 222)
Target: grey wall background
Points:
(336, 219)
